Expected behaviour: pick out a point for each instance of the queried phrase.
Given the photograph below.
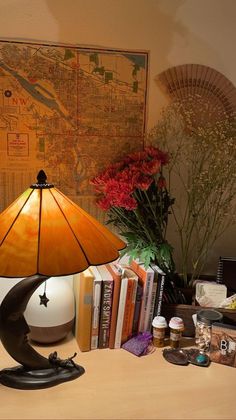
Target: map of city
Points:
(69, 111)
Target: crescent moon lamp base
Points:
(20, 378)
(36, 371)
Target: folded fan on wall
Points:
(200, 81)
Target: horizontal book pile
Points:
(114, 303)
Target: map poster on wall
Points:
(69, 111)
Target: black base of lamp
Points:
(20, 378)
(36, 371)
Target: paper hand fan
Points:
(196, 80)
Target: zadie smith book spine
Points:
(106, 306)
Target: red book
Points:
(115, 271)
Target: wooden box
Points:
(223, 344)
(186, 311)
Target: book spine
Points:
(120, 316)
(84, 310)
(115, 303)
(146, 278)
(105, 317)
(147, 295)
(133, 300)
(137, 308)
(159, 296)
(96, 313)
(128, 305)
(151, 313)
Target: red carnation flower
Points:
(143, 182)
(115, 187)
(136, 157)
(104, 203)
(161, 184)
(156, 153)
(150, 168)
(125, 201)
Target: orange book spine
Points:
(83, 287)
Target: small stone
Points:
(201, 359)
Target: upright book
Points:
(83, 289)
(121, 310)
(97, 289)
(137, 308)
(153, 300)
(160, 277)
(106, 305)
(116, 272)
(146, 277)
(129, 304)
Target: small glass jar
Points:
(205, 319)
(176, 325)
(159, 325)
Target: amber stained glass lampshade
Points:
(43, 232)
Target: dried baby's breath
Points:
(202, 175)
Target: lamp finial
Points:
(42, 177)
(42, 181)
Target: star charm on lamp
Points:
(43, 299)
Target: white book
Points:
(121, 310)
(97, 288)
(148, 293)
(106, 306)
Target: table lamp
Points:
(43, 234)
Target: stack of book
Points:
(114, 303)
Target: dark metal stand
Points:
(36, 371)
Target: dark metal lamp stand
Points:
(36, 371)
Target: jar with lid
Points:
(159, 325)
(176, 325)
(205, 319)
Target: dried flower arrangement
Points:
(201, 174)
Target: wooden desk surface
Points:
(118, 385)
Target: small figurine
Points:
(63, 363)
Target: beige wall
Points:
(174, 31)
